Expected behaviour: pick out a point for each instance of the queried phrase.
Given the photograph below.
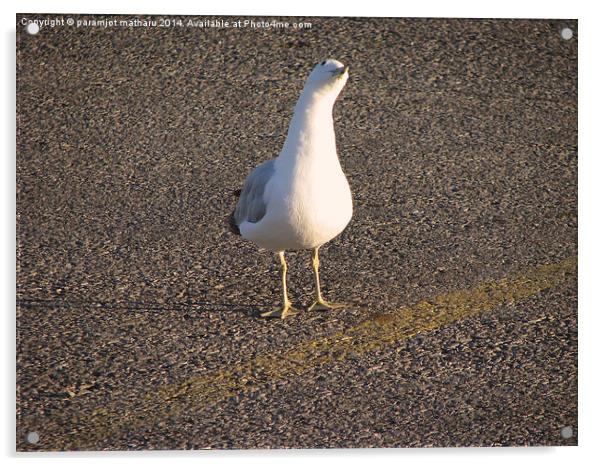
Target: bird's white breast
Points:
(314, 203)
(305, 210)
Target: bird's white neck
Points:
(311, 131)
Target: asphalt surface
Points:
(137, 309)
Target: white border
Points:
(590, 107)
(424, 8)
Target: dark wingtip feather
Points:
(233, 226)
(231, 221)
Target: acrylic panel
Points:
(139, 307)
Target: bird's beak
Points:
(340, 71)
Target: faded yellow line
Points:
(378, 332)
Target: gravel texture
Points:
(459, 140)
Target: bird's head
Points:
(328, 77)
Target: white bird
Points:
(301, 199)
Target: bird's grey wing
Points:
(251, 207)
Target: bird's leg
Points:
(287, 308)
(320, 304)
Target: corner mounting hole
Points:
(33, 437)
(566, 33)
(566, 432)
(32, 28)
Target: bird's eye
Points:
(323, 63)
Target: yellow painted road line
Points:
(380, 331)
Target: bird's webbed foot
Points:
(322, 305)
(283, 312)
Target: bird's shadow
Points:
(188, 309)
(251, 310)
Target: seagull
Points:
(301, 199)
